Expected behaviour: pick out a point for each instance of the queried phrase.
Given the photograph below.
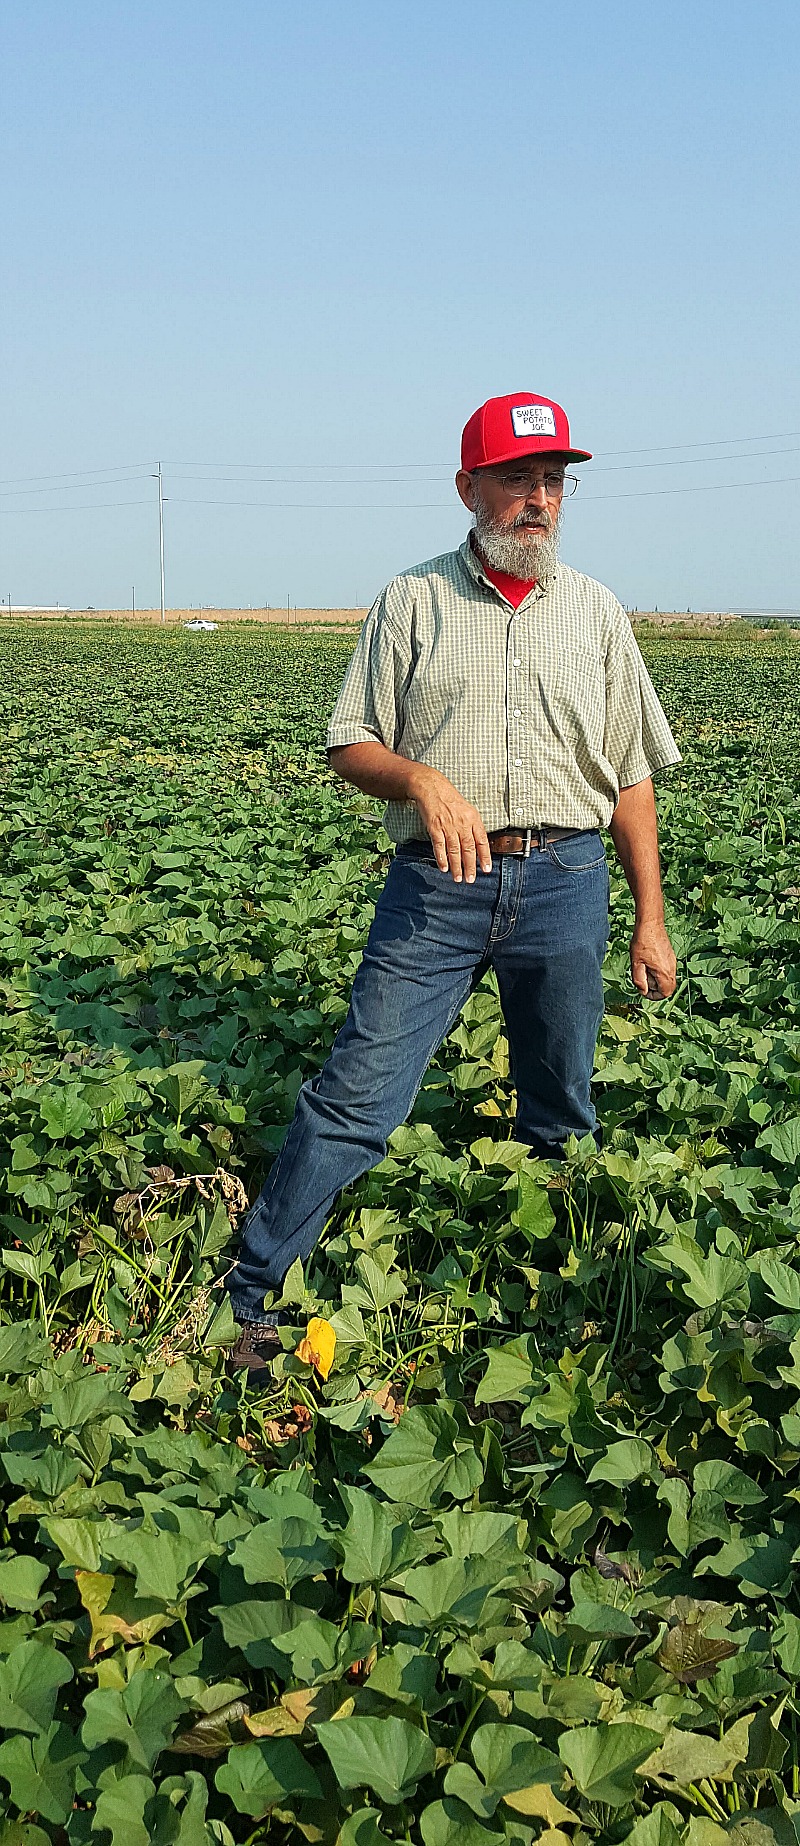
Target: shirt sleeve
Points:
(638, 739)
(369, 708)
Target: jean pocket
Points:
(583, 853)
(416, 852)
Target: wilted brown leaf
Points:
(308, 1705)
(389, 1399)
(126, 1203)
(96, 1590)
(608, 1568)
(212, 1733)
(690, 1655)
(287, 1426)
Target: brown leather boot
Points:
(257, 1343)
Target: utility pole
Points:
(133, 599)
(157, 477)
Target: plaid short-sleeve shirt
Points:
(538, 716)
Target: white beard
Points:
(504, 548)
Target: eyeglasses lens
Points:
(555, 485)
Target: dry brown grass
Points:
(670, 618)
(319, 618)
(296, 618)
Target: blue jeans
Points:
(542, 924)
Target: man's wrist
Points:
(416, 779)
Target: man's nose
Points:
(535, 488)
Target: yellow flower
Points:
(318, 1346)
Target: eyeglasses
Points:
(520, 486)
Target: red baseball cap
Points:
(507, 427)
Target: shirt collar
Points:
(475, 570)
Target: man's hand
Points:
(634, 830)
(456, 831)
(653, 964)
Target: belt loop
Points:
(527, 842)
(542, 839)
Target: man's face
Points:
(516, 507)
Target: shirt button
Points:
(517, 663)
(519, 810)
(518, 762)
(517, 713)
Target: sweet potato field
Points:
(505, 1549)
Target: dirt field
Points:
(659, 618)
(299, 618)
(296, 618)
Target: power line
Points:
(298, 480)
(387, 481)
(326, 506)
(718, 487)
(70, 474)
(91, 507)
(394, 506)
(80, 476)
(399, 506)
(77, 487)
(694, 461)
(720, 442)
(783, 435)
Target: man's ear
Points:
(466, 489)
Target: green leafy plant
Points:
(518, 1562)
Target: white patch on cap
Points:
(533, 420)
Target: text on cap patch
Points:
(533, 420)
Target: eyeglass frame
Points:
(533, 487)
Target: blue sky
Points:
(297, 247)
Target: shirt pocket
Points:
(438, 700)
(573, 691)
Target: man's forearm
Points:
(454, 827)
(377, 771)
(634, 830)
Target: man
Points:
(498, 702)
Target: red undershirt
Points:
(514, 589)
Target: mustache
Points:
(524, 521)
